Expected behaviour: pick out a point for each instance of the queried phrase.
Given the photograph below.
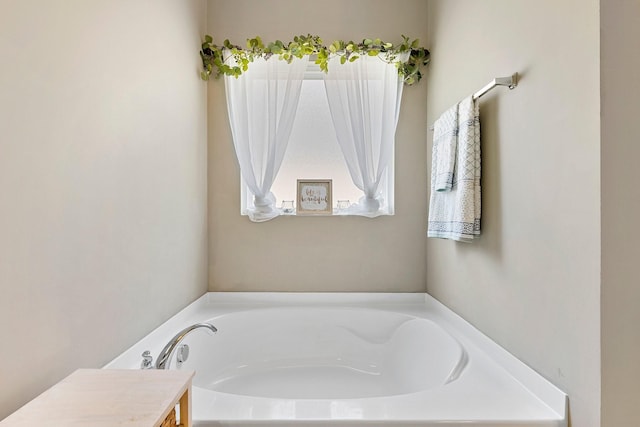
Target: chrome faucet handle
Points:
(147, 360)
(182, 354)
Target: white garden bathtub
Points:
(348, 360)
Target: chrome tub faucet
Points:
(164, 358)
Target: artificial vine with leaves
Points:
(214, 57)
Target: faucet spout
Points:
(164, 358)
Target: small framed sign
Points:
(314, 197)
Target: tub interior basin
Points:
(323, 353)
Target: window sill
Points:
(336, 212)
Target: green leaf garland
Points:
(213, 55)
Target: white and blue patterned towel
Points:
(445, 144)
(455, 214)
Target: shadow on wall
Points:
(491, 179)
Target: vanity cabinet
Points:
(110, 397)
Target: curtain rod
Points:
(511, 82)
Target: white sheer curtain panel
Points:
(364, 99)
(262, 105)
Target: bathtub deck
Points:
(495, 389)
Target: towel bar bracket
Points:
(511, 82)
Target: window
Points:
(313, 152)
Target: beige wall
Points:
(102, 181)
(620, 212)
(532, 282)
(318, 254)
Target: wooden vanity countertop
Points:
(107, 398)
